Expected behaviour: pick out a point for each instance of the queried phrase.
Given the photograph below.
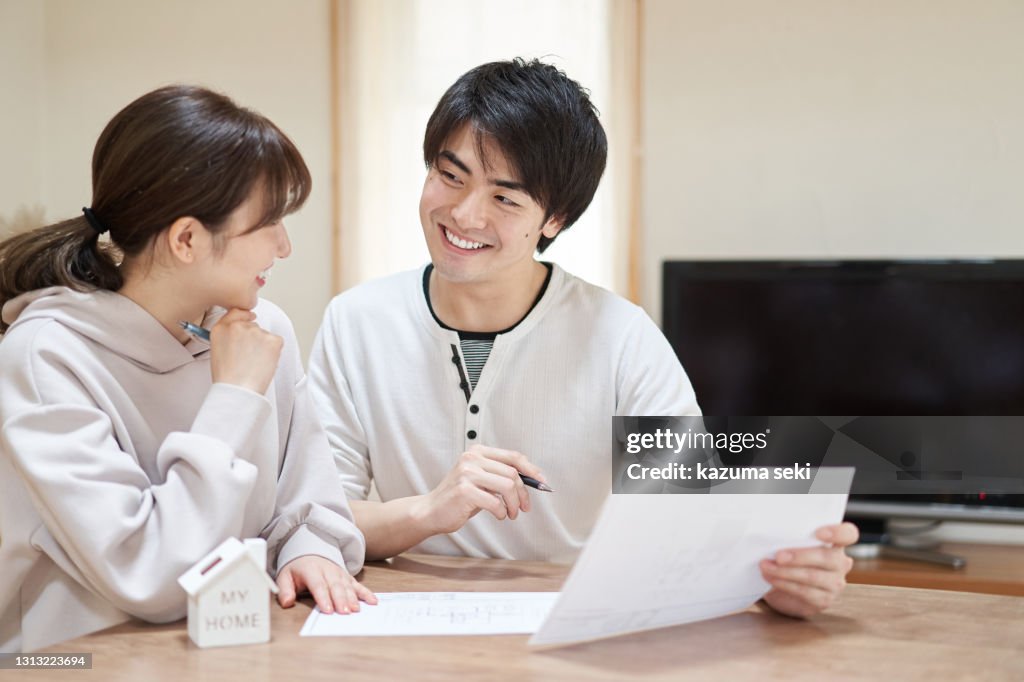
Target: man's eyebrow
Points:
(507, 184)
(510, 184)
(455, 160)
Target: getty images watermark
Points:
(891, 455)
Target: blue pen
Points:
(196, 331)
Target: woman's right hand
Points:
(242, 353)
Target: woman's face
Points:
(238, 266)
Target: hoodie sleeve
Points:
(312, 515)
(125, 534)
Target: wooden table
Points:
(873, 633)
(991, 569)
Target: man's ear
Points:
(185, 237)
(552, 226)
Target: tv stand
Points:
(890, 550)
(905, 539)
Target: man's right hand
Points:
(484, 478)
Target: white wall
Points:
(21, 126)
(809, 128)
(272, 56)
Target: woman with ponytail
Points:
(130, 448)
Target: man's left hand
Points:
(809, 580)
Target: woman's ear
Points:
(186, 239)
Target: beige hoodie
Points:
(121, 465)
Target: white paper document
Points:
(437, 613)
(651, 561)
(658, 560)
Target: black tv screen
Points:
(900, 338)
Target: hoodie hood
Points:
(111, 320)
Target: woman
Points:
(129, 448)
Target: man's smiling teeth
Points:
(461, 243)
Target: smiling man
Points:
(446, 384)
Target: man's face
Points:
(480, 224)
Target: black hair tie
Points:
(94, 222)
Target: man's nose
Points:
(470, 212)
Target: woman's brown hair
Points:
(177, 151)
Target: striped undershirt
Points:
(475, 353)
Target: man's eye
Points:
(450, 177)
(505, 200)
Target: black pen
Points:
(534, 483)
(196, 331)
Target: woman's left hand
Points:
(809, 580)
(330, 585)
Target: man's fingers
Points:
(805, 581)
(487, 501)
(839, 535)
(512, 458)
(502, 487)
(824, 558)
(815, 599)
(517, 487)
(818, 579)
(524, 495)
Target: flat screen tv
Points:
(924, 338)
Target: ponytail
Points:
(67, 253)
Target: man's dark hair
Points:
(542, 121)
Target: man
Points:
(444, 384)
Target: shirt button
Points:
(471, 435)
(474, 409)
